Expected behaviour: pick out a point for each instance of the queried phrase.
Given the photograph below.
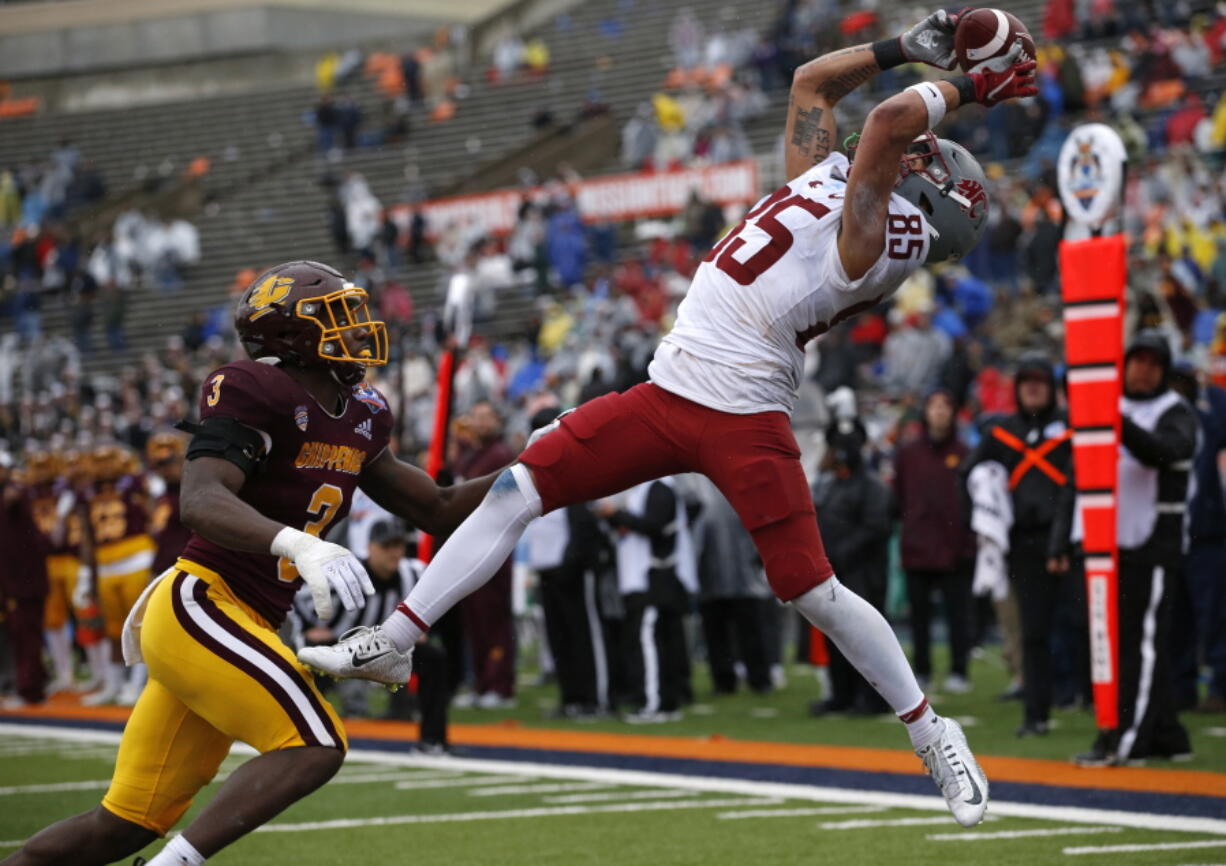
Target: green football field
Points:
(390, 808)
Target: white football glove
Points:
(932, 40)
(324, 567)
(548, 428)
(82, 593)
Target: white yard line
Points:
(461, 782)
(546, 788)
(607, 796)
(743, 787)
(868, 824)
(55, 787)
(799, 813)
(1153, 846)
(541, 812)
(409, 780)
(1019, 834)
(13, 843)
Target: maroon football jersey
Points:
(23, 566)
(167, 529)
(119, 510)
(308, 478)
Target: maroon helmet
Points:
(308, 315)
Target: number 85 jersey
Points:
(314, 461)
(772, 284)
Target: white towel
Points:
(991, 519)
(130, 640)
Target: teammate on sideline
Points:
(279, 450)
(836, 240)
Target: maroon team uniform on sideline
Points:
(308, 478)
(23, 589)
(167, 529)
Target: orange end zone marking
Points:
(1002, 769)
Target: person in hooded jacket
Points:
(853, 511)
(1159, 433)
(1034, 445)
(937, 544)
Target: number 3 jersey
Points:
(771, 285)
(307, 479)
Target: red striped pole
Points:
(1093, 275)
(438, 439)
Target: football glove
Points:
(1015, 81)
(932, 40)
(324, 567)
(83, 592)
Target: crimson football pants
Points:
(619, 440)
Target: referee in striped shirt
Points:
(393, 574)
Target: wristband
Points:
(888, 53)
(965, 86)
(290, 542)
(934, 101)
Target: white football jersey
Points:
(771, 285)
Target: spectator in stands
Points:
(326, 123)
(567, 244)
(913, 354)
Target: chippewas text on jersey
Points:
(322, 455)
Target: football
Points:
(984, 38)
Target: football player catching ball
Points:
(837, 239)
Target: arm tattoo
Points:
(808, 124)
(838, 87)
(822, 145)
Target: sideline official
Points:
(1159, 434)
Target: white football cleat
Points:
(362, 653)
(952, 766)
(129, 694)
(104, 696)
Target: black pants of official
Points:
(1052, 611)
(572, 626)
(433, 693)
(732, 631)
(654, 653)
(955, 587)
(1148, 723)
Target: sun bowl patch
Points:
(368, 395)
(301, 418)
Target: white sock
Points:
(178, 852)
(862, 634)
(924, 726)
(60, 647)
(470, 557)
(98, 655)
(115, 675)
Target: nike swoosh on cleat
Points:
(358, 660)
(977, 796)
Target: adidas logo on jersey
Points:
(363, 429)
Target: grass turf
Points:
(460, 818)
(783, 717)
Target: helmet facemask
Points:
(346, 312)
